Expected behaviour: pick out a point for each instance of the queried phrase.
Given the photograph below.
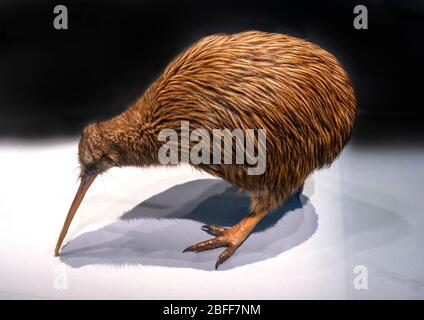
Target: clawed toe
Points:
(213, 229)
(224, 237)
(207, 245)
(227, 253)
(231, 237)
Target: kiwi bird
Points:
(296, 91)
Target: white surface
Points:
(367, 209)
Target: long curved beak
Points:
(86, 182)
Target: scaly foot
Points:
(231, 238)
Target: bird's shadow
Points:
(157, 230)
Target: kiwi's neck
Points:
(130, 141)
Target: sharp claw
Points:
(205, 228)
(217, 264)
(213, 230)
(188, 249)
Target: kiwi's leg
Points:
(231, 237)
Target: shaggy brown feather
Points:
(292, 88)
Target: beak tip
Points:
(86, 181)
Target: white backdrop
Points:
(127, 238)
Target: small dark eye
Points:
(91, 168)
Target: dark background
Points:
(54, 82)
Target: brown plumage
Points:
(292, 88)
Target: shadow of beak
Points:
(86, 182)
